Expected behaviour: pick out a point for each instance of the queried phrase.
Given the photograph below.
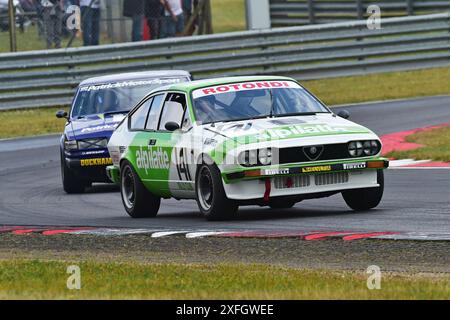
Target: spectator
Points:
(154, 11)
(187, 9)
(134, 9)
(90, 22)
(52, 14)
(173, 23)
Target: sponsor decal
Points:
(352, 166)
(316, 169)
(253, 85)
(282, 133)
(153, 158)
(96, 162)
(88, 153)
(125, 84)
(106, 127)
(269, 172)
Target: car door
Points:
(151, 162)
(174, 143)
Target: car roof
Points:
(135, 76)
(193, 85)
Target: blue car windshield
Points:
(252, 100)
(114, 97)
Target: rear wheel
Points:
(137, 200)
(365, 199)
(71, 184)
(211, 198)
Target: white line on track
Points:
(167, 233)
(203, 234)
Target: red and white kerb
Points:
(244, 86)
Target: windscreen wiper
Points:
(115, 112)
(296, 114)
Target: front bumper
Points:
(91, 169)
(300, 180)
(310, 184)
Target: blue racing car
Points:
(98, 107)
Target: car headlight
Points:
(355, 148)
(261, 157)
(370, 147)
(265, 156)
(70, 145)
(92, 143)
(363, 148)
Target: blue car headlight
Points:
(70, 145)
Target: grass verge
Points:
(228, 15)
(332, 91)
(35, 279)
(31, 122)
(436, 146)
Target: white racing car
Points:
(242, 141)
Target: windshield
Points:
(115, 97)
(252, 100)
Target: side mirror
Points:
(61, 114)
(172, 126)
(344, 114)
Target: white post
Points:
(258, 14)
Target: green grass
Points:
(332, 91)
(436, 146)
(30, 40)
(228, 15)
(32, 122)
(383, 86)
(33, 279)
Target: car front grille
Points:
(300, 181)
(330, 152)
(331, 178)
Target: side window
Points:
(173, 110)
(139, 117)
(155, 111)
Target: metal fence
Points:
(48, 78)
(302, 12)
(40, 24)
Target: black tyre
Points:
(137, 200)
(211, 198)
(71, 184)
(281, 204)
(365, 199)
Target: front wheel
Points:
(137, 200)
(71, 184)
(210, 194)
(365, 199)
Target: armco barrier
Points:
(48, 78)
(285, 13)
